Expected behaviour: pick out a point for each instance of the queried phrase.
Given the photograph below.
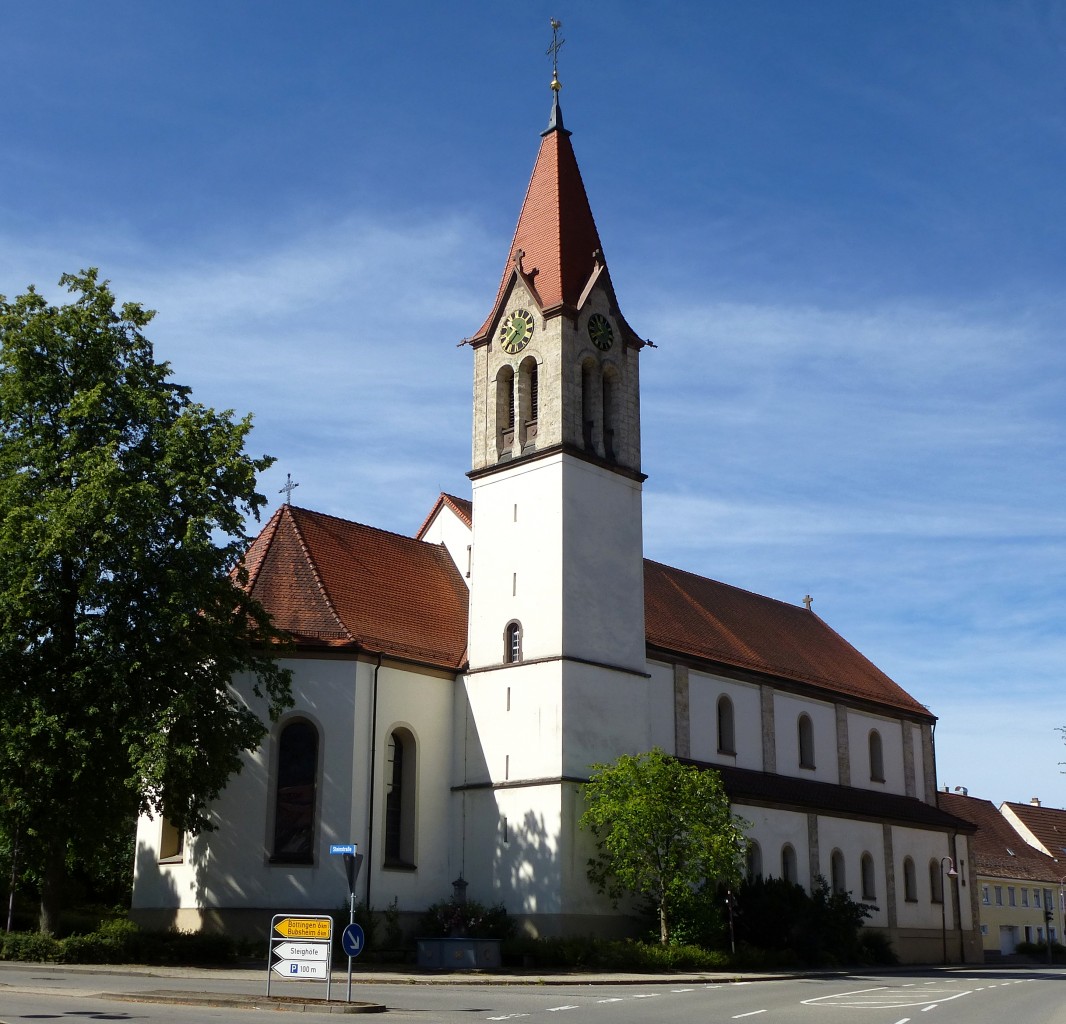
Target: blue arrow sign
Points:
(353, 939)
(336, 849)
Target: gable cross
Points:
(288, 488)
(553, 52)
(808, 600)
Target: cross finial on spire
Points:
(808, 601)
(552, 51)
(288, 488)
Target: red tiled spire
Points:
(556, 234)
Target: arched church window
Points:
(838, 881)
(753, 859)
(400, 799)
(504, 412)
(512, 643)
(877, 757)
(869, 888)
(294, 795)
(726, 733)
(910, 881)
(528, 402)
(936, 882)
(789, 871)
(806, 741)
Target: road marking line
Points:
(556, 1009)
(682, 990)
(508, 1016)
(903, 1021)
(613, 999)
(926, 1009)
(646, 995)
(750, 1014)
(840, 995)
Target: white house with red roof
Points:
(453, 689)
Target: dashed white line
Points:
(682, 990)
(903, 1020)
(613, 999)
(508, 1016)
(752, 1013)
(646, 995)
(556, 1009)
(926, 1009)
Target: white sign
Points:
(302, 950)
(302, 968)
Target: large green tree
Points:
(122, 621)
(662, 828)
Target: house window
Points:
(1011, 898)
(869, 888)
(294, 799)
(986, 899)
(999, 896)
(1025, 897)
(400, 800)
(753, 859)
(591, 399)
(1036, 897)
(877, 759)
(789, 871)
(512, 643)
(171, 842)
(726, 735)
(910, 881)
(836, 872)
(806, 741)
(936, 882)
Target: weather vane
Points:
(553, 52)
(288, 488)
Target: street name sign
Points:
(336, 849)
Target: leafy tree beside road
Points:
(662, 830)
(122, 512)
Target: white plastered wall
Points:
(891, 732)
(704, 692)
(787, 709)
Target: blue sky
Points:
(842, 223)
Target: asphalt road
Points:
(1012, 996)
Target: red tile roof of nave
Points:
(328, 581)
(1048, 824)
(997, 848)
(701, 618)
(556, 230)
(463, 508)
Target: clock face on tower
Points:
(600, 332)
(516, 330)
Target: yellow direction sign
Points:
(304, 927)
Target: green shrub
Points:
(450, 918)
(29, 946)
(606, 955)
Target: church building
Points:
(453, 688)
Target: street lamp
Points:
(952, 873)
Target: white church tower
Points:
(557, 672)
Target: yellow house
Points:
(1014, 886)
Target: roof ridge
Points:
(323, 589)
(734, 587)
(351, 522)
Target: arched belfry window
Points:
(591, 405)
(877, 757)
(528, 403)
(610, 412)
(505, 418)
(294, 794)
(400, 764)
(512, 643)
(806, 741)
(936, 882)
(726, 732)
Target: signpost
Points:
(301, 948)
(353, 939)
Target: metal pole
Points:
(351, 920)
